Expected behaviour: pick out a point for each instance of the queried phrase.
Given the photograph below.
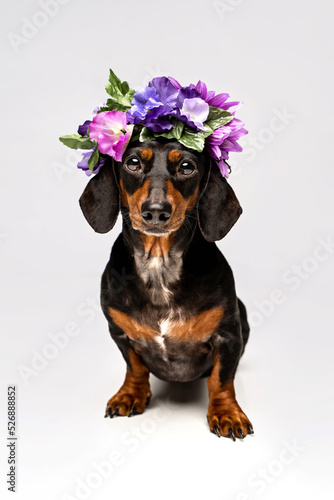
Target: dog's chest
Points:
(176, 347)
(172, 328)
(159, 272)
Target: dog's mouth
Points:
(155, 229)
(158, 230)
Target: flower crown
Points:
(197, 118)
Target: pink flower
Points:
(110, 130)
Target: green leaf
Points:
(146, 135)
(76, 141)
(168, 134)
(125, 88)
(215, 112)
(175, 132)
(130, 94)
(217, 118)
(194, 140)
(135, 136)
(114, 106)
(120, 93)
(93, 159)
(114, 87)
(178, 129)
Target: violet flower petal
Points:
(194, 111)
(202, 89)
(174, 82)
(167, 92)
(218, 100)
(83, 129)
(223, 167)
(143, 101)
(83, 163)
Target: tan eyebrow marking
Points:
(175, 155)
(146, 153)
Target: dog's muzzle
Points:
(156, 213)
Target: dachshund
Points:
(177, 314)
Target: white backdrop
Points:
(276, 57)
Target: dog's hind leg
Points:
(244, 323)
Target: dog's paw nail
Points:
(240, 434)
(133, 411)
(113, 413)
(231, 434)
(216, 430)
(250, 428)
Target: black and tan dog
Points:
(179, 317)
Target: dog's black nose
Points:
(156, 212)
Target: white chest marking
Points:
(159, 273)
(166, 327)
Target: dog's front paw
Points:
(128, 403)
(228, 420)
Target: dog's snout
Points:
(156, 212)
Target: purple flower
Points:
(166, 90)
(110, 130)
(174, 82)
(157, 119)
(224, 168)
(83, 163)
(218, 101)
(194, 112)
(223, 141)
(154, 104)
(143, 101)
(203, 91)
(190, 108)
(83, 129)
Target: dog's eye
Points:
(186, 168)
(132, 164)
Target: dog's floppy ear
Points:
(218, 207)
(100, 200)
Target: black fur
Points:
(203, 278)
